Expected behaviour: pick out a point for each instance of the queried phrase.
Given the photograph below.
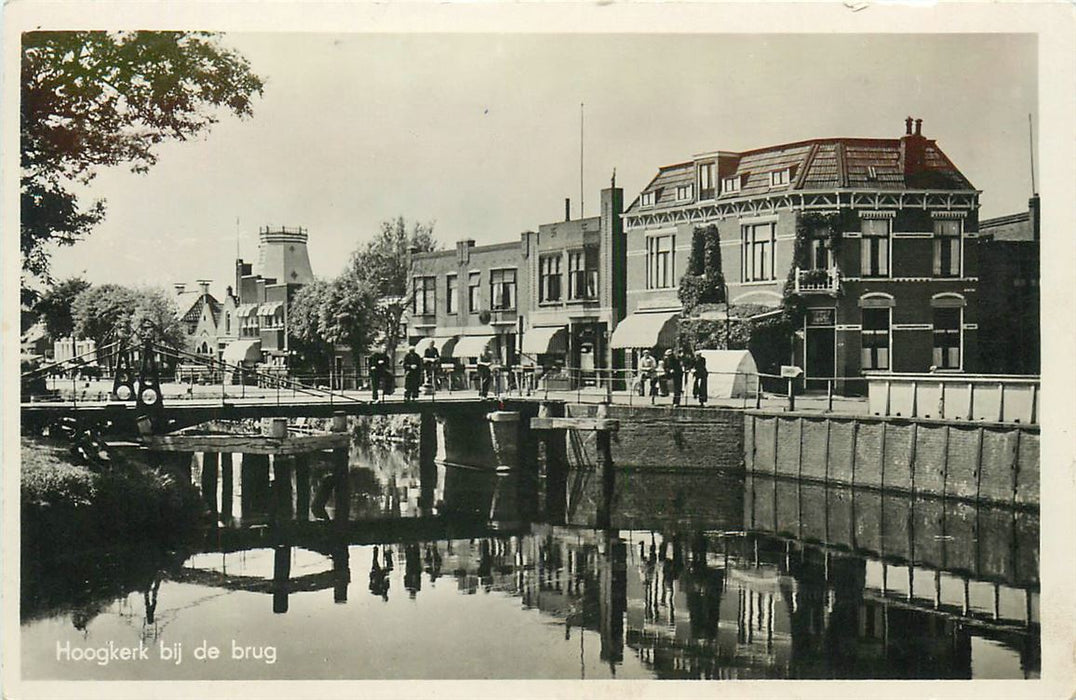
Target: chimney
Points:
(913, 151)
(908, 126)
(567, 209)
(179, 287)
(204, 286)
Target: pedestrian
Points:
(658, 387)
(674, 375)
(485, 374)
(412, 365)
(647, 367)
(431, 359)
(379, 368)
(701, 377)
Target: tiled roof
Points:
(819, 164)
(189, 306)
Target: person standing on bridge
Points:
(702, 375)
(674, 374)
(380, 374)
(412, 365)
(647, 369)
(485, 374)
(431, 358)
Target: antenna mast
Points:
(581, 210)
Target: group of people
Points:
(666, 376)
(415, 366)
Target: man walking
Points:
(412, 365)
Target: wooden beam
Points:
(246, 444)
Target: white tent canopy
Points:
(732, 374)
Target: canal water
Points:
(703, 575)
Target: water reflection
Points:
(703, 576)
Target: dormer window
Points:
(683, 193)
(730, 184)
(706, 181)
(780, 177)
(872, 172)
(648, 199)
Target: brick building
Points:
(894, 288)
(466, 301)
(1009, 299)
(577, 297)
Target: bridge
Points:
(136, 396)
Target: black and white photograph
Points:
(501, 343)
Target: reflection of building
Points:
(1009, 295)
(894, 288)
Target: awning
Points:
(540, 341)
(471, 345)
(245, 310)
(646, 330)
(269, 308)
(438, 342)
(243, 351)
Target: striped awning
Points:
(269, 308)
(244, 310)
(646, 330)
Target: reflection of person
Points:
(412, 569)
(379, 578)
(412, 365)
(380, 374)
(701, 378)
(433, 561)
(485, 374)
(647, 368)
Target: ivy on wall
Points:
(704, 281)
(810, 226)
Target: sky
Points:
(480, 134)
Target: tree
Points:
(308, 333)
(112, 312)
(381, 271)
(98, 99)
(704, 280)
(54, 307)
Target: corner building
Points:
(892, 289)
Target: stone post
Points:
(607, 471)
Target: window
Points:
(730, 184)
(947, 338)
(683, 193)
(820, 258)
(549, 278)
(659, 262)
(583, 273)
(502, 289)
(424, 295)
(874, 252)
(706, 181)
(947, 248)
(474, 283)
(227, 324)
(648, 199)
(759, 249)
(875, 339)
(780, 177)
(452, 284)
